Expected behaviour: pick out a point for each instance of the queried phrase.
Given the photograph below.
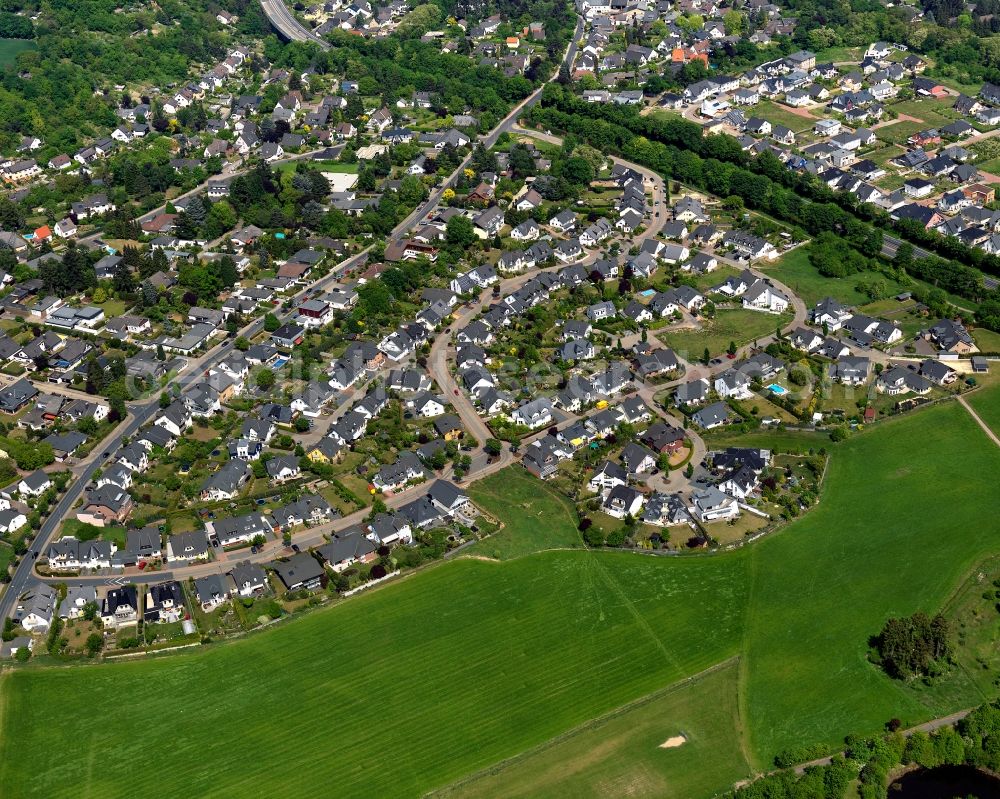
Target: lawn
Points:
(837, 54)
(535, 517)
(899, 131)
(6, 556)
(986, 340)
(736, 324)
(782, 115)
(465, 665)
(622, 755)
(796, 272)
(986, 403)
(10, 48)
(934, 113)
(471, 663)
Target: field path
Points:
(641, 620)
(927, 726)
(986, 428)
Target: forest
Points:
(89, 46)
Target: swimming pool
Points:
(648, 292)
(279, 363)
(774, 388)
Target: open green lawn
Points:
(837, 54)
(622, 755)
(986, 403)
(470, 663)
(986, 340)
(796, 272)
(899, 527)
(535, 517)
(934, 113)
(901, 130)
(10, 48)
(730, 324)
(778, 114)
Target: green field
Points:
(450, 671)
(730, 324)
(795, 271)
(535, 518)
(901, 130)
(471, 663)
(10, 48)
(623, 755)
(986, 340)
(986, 403)
(899, 527)
(782, 115)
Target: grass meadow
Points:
(986, 403)
(623, 754)
(533, 520)
(737, 325)
(458, 669)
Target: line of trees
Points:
(718, 165)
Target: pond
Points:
(944, 782)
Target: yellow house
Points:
(325, 451)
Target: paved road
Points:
(143, 412)
(890, 244)
(288, 26)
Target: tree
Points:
(95, 643)
(123, 280)
(706, 356)
(165, 399)
(913, 646)
(90, 611)
(265, 379)
(271, 322)
(493, 447)
(161, 355)
(460, 233)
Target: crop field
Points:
(627, 754)
(449, 671)
(900, 525)
(469, 664)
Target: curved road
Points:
(288, 26)
(142, 412)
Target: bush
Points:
(593, 537)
